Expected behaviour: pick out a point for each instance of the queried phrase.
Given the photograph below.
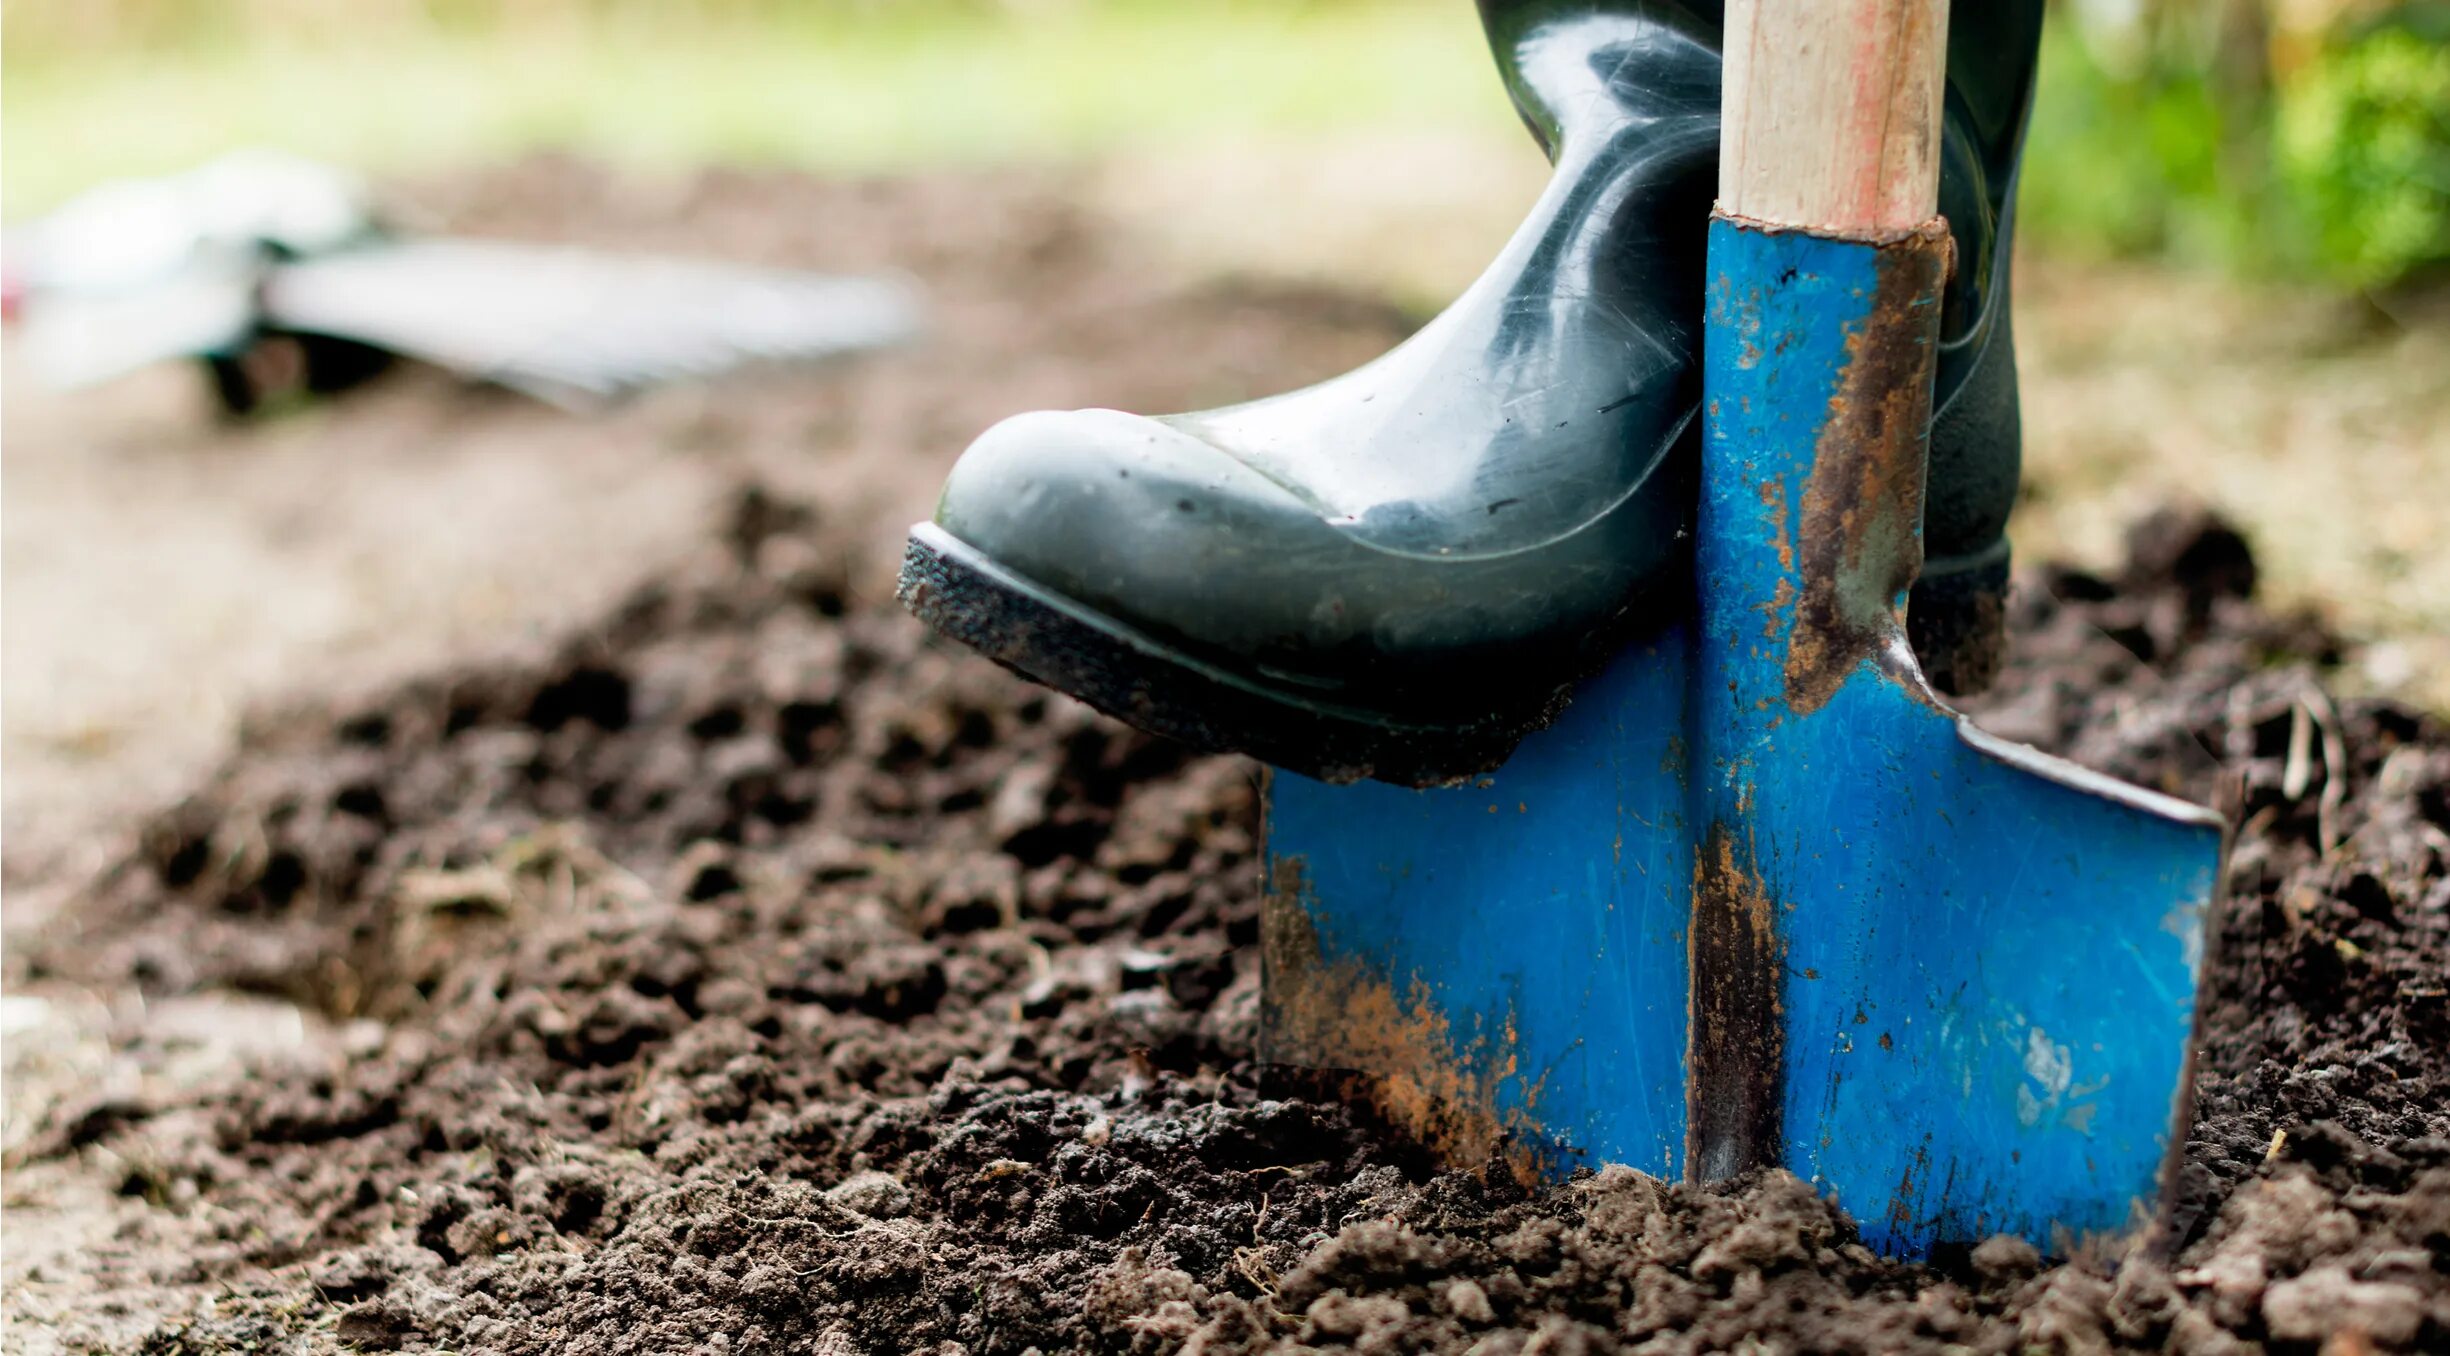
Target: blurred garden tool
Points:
(260, 254)
(1759, 898)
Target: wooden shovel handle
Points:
(1832, 113)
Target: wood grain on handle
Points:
(1832, 112)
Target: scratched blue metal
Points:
(1971, 969)
(1989, 957)
(1546, 901)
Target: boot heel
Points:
(1956, 619)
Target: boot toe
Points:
(1139, 521)
(1161, 533)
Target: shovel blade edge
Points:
(1984, 961)
(1988, 965)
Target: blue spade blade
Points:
(1760, 897)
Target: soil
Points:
(748, 971)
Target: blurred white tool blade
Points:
(74, 339)
(573, 325)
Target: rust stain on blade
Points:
(1905, 1202)
(1774, 516)
(1735, 1100)
(1861, 541)
(1438, 1079)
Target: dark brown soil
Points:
(751, 973)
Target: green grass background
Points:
(2174, 138)
(829, 86)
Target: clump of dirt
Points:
(755, 973)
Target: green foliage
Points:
(2176, 140)
(2364, 147)
(2134, 164)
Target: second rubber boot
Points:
(1401, 571)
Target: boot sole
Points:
(1052, 640)
(1956, 623)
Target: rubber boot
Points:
(1399, 572)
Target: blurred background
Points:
(2305, 135)
(2235, 234)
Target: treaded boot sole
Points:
(1051, 640)
(1957, 620)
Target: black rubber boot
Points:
(1401, 571)
(1956, 618)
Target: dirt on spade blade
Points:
(749, 972)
